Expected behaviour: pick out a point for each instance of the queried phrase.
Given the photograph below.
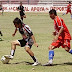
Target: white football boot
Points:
(35, 63)
(8, 57)
(47, 64)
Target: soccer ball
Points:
(4, 60)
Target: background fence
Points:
(38, 2)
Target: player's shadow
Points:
(30, 63)
(67, 63)
(1, 39)
(25, 62)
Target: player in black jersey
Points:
(1, 8)
(21, 11)
(27, 40)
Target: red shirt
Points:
(69, 7)
(58, 23)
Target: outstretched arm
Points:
(33, 38)
(14, 32)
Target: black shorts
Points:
(22, 13)
(24, 43)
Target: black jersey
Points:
(21, 8)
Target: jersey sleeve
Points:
(28, 30)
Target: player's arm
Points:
(60, 31)
(14, 32)
(27, 28)
(33, 38)
(61, 28)
(18, 9)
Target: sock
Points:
(51, 61)
(64, 13)
(12, 52)
(34, 58)
(51, 54)
(71, 16)
(70, 51)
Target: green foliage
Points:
(42, 27)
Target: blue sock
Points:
(51, 54)
(64, 13)
(70, 51)
(71, 16)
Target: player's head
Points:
(69, 2)
(20, 3)
(17, 22)
(52, 13)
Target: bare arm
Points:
(60, 31)
(14, 32)
(33, 38)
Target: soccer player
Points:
(1, 9)
(21, 11)
(27, 40)
(68, 9)
(62, 36)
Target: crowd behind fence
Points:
(38, 2)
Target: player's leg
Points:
(13, 48)
(68, 50)
(21, 18)
(51, 55)
(29, 51)
(24, 15)
(71, 14)
(1, 33)
(51, 52)
(2, 11)
(67, 46)
(63, 14)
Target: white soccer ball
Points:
(4, 60)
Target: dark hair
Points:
(20, 2)
(69, 2)
(17, 21)
(53, 11)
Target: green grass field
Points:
(42, 27)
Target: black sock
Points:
(33, 58)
